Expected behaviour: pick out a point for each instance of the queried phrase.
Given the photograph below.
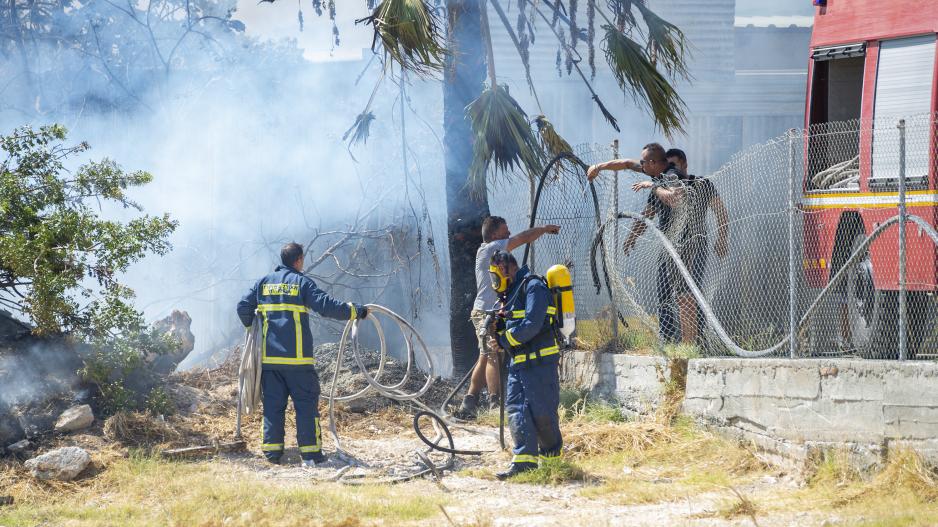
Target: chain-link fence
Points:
(799, 234)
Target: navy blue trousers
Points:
(532, 400)
(301, 385)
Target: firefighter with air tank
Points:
(535, 313)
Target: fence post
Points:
(792, 256)
(903, 309)
(613, 313)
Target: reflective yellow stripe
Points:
(264, 308)
(520, 312)
(524, 458)
(317, 437)
(299, 335)
(511, 339)
(545, 457)
(296, 309)
(271, 447)
(318, 433)
(264, 341)
(545, 352)
(289, 360)
(354, 314)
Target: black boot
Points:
(515, 469)
(468, 408)
(494, 401)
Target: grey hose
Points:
(395, 391)
(249, 373)
(714, 322)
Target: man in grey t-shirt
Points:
(495, 237)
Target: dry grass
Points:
(480, 520)
(147, 491)
(658, 458)
(139, 429)
(904, 492)
(906, 473)
(585, 438)
(741, 506)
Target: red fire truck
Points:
(872, 63)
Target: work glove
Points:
(361, 311)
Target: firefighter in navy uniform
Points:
(283, 300)
(528, 336)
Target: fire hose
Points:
(707, 309)
(249, 391)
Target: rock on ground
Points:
(10, 429)
(19, 447)
(177, 325)
(62, 464)
(75, 418)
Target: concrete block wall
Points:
(788, 409)
(792, 408)
(636, 382)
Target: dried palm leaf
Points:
(622, 10)
(591, 35)
(520, 44)
(358, 133)
(666, 43)
(606, 113)
(409, 31)
(636, 74)
(551, 141)
(501, 135)
(574, 30)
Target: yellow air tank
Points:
(559, 282)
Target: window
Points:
(836, 97)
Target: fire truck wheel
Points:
(872, 315)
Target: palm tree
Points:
(644, 52)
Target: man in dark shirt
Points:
(666, 201)
(694, 247)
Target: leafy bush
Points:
(61, 262)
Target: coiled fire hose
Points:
(249, 375)
(249, 391)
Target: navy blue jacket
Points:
(528, 328)
(284, 299)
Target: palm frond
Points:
(551, 141)
(666, 43)
(606, 113)
(410, 33)
(501, 136)
(358, 132)
(622, 10)
(636, 75)
(521, 45)
(591, 35)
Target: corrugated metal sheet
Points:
(728, 109)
